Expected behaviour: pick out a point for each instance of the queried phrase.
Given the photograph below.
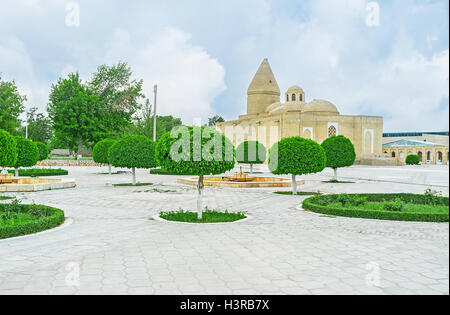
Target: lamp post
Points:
(154, 113)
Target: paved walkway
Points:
(111, 246)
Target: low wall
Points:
(378, 162)
(60, 163)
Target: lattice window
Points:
(332, 132)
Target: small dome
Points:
(321, 106)
(295, 89)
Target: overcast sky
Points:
(203, 53)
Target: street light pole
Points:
(154, 113)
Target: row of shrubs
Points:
(393, 205)
(19, 152)
(37, 172)
(45, 218)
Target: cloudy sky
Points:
(203, 54)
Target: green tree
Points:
(8, 150)
(213, 121)
(340, 153)
(133, 152)
(195, 151)
(251, 152)
(101, 150)
(27, 154)
(43, 150)
(119, 94)
(11, 106)
(76, 113)
(296, 156)
(413, 159)
(39, 126)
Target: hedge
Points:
(412, 159)
(40, 172)
(55, 219)
(319, 204)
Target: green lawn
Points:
(5, 198)
(208, 217)
(22, 218)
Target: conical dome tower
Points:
(263, 91)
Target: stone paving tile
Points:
(116, 249)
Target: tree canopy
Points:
(27, 153)
(75, 112)
(213, 121)
(8, 149)
(196, 151)
(297, 156)
(340, 152)
(11, 106)
(43, 150)
(119, 94)
(100, 153)
(39, 126)
(251, 152)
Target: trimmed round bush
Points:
(251, 152)
(133, 152)
(8, 150)
(196, 151)
(340, 152)
(413, 159)
(296, 156)
(43, 150)
(27, 153)
(100, 153)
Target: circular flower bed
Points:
(398, 207)
(17, 219)
(209, 216)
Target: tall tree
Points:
(39, 126)
(213, 121)
(76, 112)
(119, 94)
(11, 106)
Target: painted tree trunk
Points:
(200, 188)
(335, 174)
(294, 185)
(80, 146)
(109, 169)
(251, 169)
(134, 176)
(16, 172)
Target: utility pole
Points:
(154, 113)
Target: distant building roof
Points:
(410, 143)
(413, 134)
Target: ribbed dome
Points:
(295, 89)
(321, 106)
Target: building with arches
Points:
(428, 152)
(269, 120)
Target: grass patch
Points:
(131, 185)
(5, 198)
(40, 172)
(209, 216)
(17, 219)
(397, 207)
(299, 193)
